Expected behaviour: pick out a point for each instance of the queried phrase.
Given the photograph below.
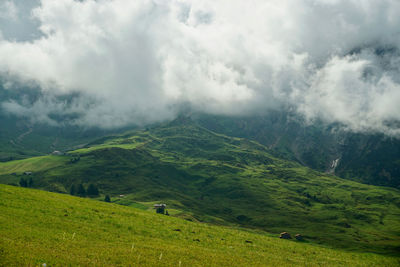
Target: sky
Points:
(144, 61)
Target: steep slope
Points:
(371, 159)
(367, 158)
(38, 227)
(214, 178)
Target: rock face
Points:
(299, 237)
(285, 235)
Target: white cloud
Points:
(138, 61)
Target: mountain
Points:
(39, 228)
(210, 177)
(367, 158)
(21, 137)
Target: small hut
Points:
(57, 153)
(285, 235)
(299, 237)
(160, 208)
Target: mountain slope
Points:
(21, 137)
(214, 178)
(39, 227)
(368, 158)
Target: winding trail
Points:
(21, 136)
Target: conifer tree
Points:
(107, 198)
(23, 182)
(72, 190)
(81, 191)
(92, 190)
(30, 182)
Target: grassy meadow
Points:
(209, 177)
(39, 227)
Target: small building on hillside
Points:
(160, 208)
(27, 173)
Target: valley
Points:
(208, 177)
(199, 133)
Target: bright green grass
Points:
(39, 227)
(32, 164)
(103, 146)
(208, 177)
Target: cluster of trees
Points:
(79, 190)
(26, 183)
(91, 191)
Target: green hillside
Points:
(39, 227)
(369, 158)
(209, 177)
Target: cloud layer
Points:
(140, 61)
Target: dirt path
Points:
(21, 136)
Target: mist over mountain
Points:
(255, 132)
(116, 63)
(28, 134)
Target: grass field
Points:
(34, 164)
(39, 227)
(208, 177)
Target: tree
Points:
(92, 190)
(81, 191)
(72, 190)
(23, 182)
(107, 198)
(30, 182)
